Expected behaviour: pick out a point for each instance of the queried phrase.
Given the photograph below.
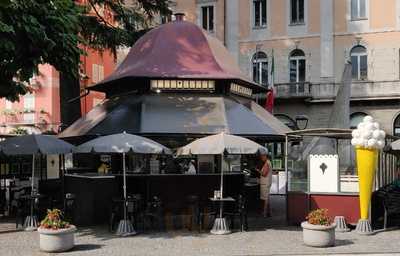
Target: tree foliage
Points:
(34, 32)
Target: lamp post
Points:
(301, 121)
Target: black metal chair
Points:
(207, 209)
(193, 210)
(154, 214)
(240, 212)
(116, 213)
(391, 204)
(69, 203)
(22, 209)
(135, 209)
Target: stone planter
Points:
(318, 235)
(57, 240)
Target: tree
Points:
(33, 32)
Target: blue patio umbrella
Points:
(34, 144)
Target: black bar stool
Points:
(239, 211)
(193, 209)
(154, 213)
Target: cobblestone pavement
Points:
(267, 241)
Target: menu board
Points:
(323, 173)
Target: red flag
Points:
(269, 102)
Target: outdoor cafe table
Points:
(134, 199)
(220, 226)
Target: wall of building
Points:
(46, 92)
(327, 36)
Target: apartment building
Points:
(40, 111)
(309, 42)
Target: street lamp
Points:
(301, 121)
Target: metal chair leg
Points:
(385, 219)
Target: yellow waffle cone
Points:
(366, 165)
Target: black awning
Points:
(174, 114)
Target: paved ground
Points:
(266, 237)
(272, 240)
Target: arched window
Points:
(356, 118)
(297, 65)
(359, 63)
(260, 68)
(396, 126)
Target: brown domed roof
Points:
(178, 50)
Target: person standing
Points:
(265, 182)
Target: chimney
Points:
(179, 16)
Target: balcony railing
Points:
(293, 90)
(360, 90)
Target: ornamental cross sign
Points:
(323, 167)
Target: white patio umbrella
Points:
(123, 143)
(34, 144)
(221, 144)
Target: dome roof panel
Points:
(178, 50)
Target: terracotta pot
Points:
(318, 235)
(59, 240)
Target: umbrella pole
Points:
(222, 176)
(124, 177)
(30, 223)
(33, 174)
(125, 227)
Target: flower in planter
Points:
(53, 220)
(319, 217)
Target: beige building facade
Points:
(309, 42)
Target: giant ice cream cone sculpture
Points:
(367, 139)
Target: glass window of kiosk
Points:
(297, 167)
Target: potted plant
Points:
(55, 234)
(318, 230)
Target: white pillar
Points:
(232, 27)
(327, 43)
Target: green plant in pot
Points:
(318, 229)
(55, 234)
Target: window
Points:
(165, 18)
(356, 118)
(297, 65)
(358, 9)
(359, 63)
(97, 73)
(260, 13)
(260, 68)
(29, 107)
(296, 11)
(207, 18)
(396, 126)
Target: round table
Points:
(221, 227)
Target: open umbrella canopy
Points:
(221, 143)
(35, 144)
(122, 143)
